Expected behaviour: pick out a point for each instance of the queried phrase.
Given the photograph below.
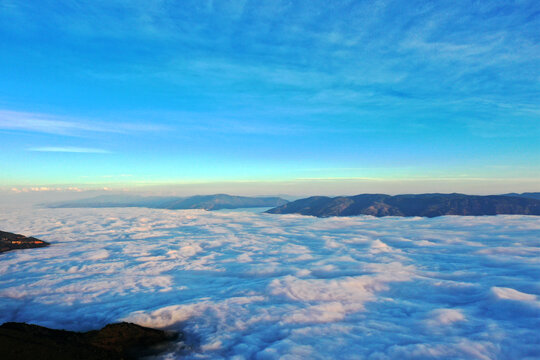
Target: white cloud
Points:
(511, 294)
(267, 287)
(441, 317)
(69, 149)
(26, 121)
(68, 126)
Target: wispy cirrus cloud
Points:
(36, 122)
(70, 149)
(68, 126)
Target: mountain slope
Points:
(427, 205)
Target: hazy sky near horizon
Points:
(128, 93)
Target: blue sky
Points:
(132, 93)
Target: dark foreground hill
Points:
(428, 205)
(115, 341)
(9, 241)
(206, 202)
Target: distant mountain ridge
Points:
(529, 195)
(206, 202)
(426, 205)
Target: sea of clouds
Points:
(245, 285)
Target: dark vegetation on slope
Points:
(427, 205)
(115, 341)
(9, 241)
(206, 202)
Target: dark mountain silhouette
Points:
(206, 202)
(115, 341)
(9, 241)
(428, 205)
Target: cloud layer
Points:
(255, 286)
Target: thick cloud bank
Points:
(260, 286)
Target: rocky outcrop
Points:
(427, 205)
(115, 341)
(9, 241)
